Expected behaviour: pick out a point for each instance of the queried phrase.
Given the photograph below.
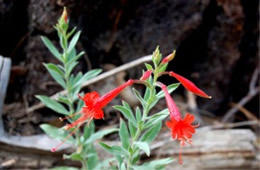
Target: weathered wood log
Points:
(5, 66)
(215, 149)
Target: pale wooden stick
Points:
(253, 90)
(233, 125)
(107, 74)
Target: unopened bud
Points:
(156, 58)
(169, 57)
(65, 15)
(146, 75)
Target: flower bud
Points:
(64, 15)
(146, 75)
(157, 56)
(169, 57)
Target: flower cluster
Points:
(141, 128)
(93, 108)
(181, 129)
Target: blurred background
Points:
(217, 48)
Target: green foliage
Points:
(135, 135)
(52, 104)
(51, 48)
(151, 133)
(156, 118)
(100, 134)
(142, 128)
(115, 150)
(68, 104)
(124, 135)
(127, 112)
(170, 88)
(57, 133)
(143, 146)
(64, 168)
(154, 165)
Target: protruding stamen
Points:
(64, 140)
(67, 117)
(180, 153)
(89, 121)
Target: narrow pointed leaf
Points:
(138, 114)
(115, 150)
(156, 118)
(128, 114)
(57, 133)
(170, 88)
(100, 134)
(56, 73)
(151, 133)
(124, 135)
(52, 104)
(51, 47)
(74, 41)
(143, 146)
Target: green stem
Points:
(139, 129)
(138, 132)
(71, 104)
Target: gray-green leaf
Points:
(74, 41)
(124, 135)
(52, 104)
(56, 73)
(64, 168)
(100, 134)
(170, 88)
(156, 118)
(143, 146)
(151, 133)
(128, 114)
(115, 150)
(51, 47)
(57, 133)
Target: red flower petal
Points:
(146, 75)
(189, 85)
(104, 100)
(93, 108)
(182, 130)
(98, 114)
(173, 109)
(188, 119)
(90, 98)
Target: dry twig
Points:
(253, 91)
(98, 78)
(233, 125)
(246, 112)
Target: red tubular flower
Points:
(173, 109)
(182, 129)
(146, 75)
(93, 108)
(189, 85)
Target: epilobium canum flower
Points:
(189, 85)
(181, 129)
(93, 108)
